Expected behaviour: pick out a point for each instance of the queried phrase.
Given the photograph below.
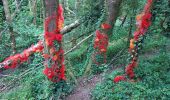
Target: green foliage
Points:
(153, 84)
(1, 16)
(94, 9)
(152, 74)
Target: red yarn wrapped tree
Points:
(53, 52)
(143, 21)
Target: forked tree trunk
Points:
(9, 21)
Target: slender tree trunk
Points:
(77, 4)
(66, 4)
(63, 3)
(113, 7)
(9, 20)
(2, 16)
(34, 10)
(168, 17)
(17, 3)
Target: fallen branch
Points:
(70, 27)
(76, 46)
(30, 51)
(13, 61)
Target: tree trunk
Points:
(113, 7)
(50, 10)
(77, 4)
(34, 11)
(168, 17)
(17, 3)
(113, 11)
(9, 20)
(63, 3)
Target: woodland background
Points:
(23, 26)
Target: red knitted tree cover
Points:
(101, 44)
(14, 61)
(55, 69)
(143, 21)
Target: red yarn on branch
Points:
(17, 59)
(106, 26)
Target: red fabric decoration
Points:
(100, 44)
(56, 71)
(119, 78)
(146, 20)
(59, 37)
(105, 26)
(143, 22)
(49, 72)
(129, 69)
(15, 60)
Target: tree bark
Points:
(50, 10)
(9, 20)
(70, 27)
(34, 11)
(168, 17)
(77, 5)
(113, 7)
(17, 3)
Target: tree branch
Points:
(76, 46)
(70, 27)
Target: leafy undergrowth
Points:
(152, 75)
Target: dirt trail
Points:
(84, 87)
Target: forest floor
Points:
(84, 88)
(85, 85)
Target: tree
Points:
(9, 21)
(113, 7)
